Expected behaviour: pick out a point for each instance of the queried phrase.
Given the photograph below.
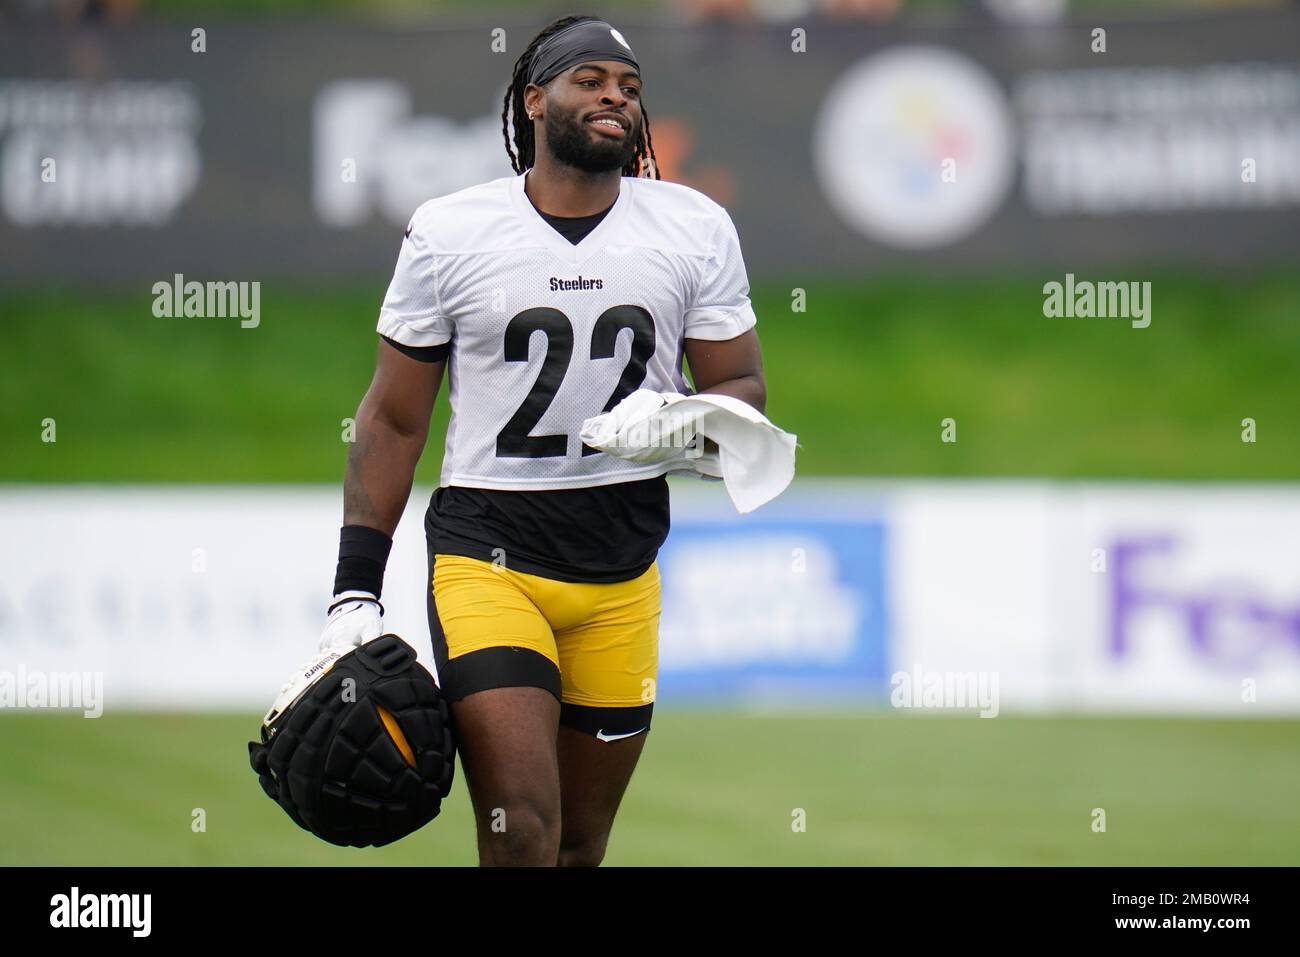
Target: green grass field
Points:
(712, 788)
(864, 377)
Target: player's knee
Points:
(521, 833)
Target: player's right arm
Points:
(393, 419)
(392, 424)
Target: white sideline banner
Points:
(184, 597)
(1079, 597)
(1103, 597)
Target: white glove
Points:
(626, 430)
(754, 458)
(301, 680)
(355, 617)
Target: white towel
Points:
(755, 459)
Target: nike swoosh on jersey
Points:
(614, 737)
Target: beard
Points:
(572, 142)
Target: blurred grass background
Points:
(864, 377)
(712, 788)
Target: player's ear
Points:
(534, 98)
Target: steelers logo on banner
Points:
(913, 147)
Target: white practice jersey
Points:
(545, 333)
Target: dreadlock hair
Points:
(523, 127)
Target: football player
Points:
(546, 297)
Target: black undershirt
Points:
(602, 533)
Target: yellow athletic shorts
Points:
(594, 646)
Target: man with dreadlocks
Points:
(549, 297)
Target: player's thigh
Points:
(486, 630)
(497, 666)
(594, 776)
(609, 657)
(609, 666)
(506, 738)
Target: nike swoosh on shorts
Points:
(614, 737)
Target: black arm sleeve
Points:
(421, 353)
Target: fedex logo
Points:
(1227, 623)
(372, 152)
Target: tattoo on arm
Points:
(358, 508)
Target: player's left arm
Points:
(731, 367)
(719, 340)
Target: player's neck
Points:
(562, 190)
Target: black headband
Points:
(582, 42)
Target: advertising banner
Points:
(292, 149)
(994, 596)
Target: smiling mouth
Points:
(609, 127)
